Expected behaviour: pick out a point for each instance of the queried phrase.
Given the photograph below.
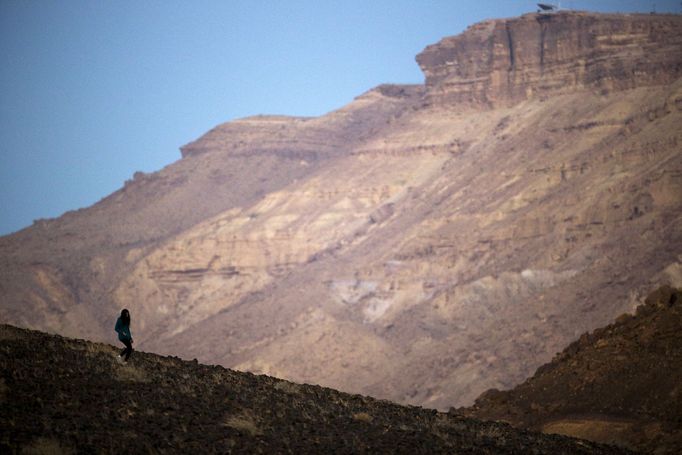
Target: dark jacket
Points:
(123, 330)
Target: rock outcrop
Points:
(537, 55)
(413, 245)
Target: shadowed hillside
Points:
(61, 395)
(620, 384)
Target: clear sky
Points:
(92, 91)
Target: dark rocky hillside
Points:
(620, 384)
(62, 395)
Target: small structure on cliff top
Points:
(548, 8)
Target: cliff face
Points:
(504, 62)
(421, 244)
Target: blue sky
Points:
(92, 91)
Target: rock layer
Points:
(504, 62)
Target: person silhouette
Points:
(123, 330)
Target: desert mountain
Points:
(619, 384)
(63, 395)
(422, 244)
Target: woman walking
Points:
(123, 329)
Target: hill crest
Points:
(63, 395)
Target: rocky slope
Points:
(619, 384)
(70, 396)
(423, 243)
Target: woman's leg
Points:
(128, 349)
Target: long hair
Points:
(125, 317)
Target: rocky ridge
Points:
(63, 395)
(619, 384)
(503, 62)
(416, 245)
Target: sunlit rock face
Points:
(423, 243)
(502, 62)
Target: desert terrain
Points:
(423, 244)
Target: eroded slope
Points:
(619, 384)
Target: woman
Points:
(123, 329)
